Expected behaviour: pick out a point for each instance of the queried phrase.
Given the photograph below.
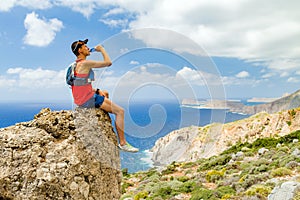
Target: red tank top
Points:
(83, 93)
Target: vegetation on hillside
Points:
(241, 172)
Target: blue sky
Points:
(161, 49)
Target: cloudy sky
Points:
(160, 48)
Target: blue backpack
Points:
(71, 79)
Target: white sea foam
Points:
(147, 159)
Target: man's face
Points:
(84, 50)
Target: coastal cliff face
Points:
(284, 103)
(60, 155)
(193, 143)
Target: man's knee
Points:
(105, 93)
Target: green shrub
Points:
(282, 171)
(264, 142)
(183, 178)
(170, 168)
(263, 190)
(125, 172)
(259, 169)
(224, 190)
(141, 195)
(248, 180)
(188, 165)
(214, 175)
(202, 193)
(187, 187)
(125, 185)
(214, 161)
(292, 113)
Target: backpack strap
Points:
(78, 81)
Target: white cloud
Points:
(35, 4)
(114, 11)
(268, 75)
(284, 74)
(242, 74)
(33, 78)
(191, 75)
(265, 31)
(134, 62)
(184, 82)
(164, 75)
(248, 82)
(7, 5)
(6, 83)
(40, 32)
(115, 22)
(85, 7)
(293, 80)
(284, 64)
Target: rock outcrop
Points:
(60, 155)
(193, 143)
(286, 191)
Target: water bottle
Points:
(92, 49)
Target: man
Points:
(86, 96)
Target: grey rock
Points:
(286, 191)
(296, 153)
(262, 151)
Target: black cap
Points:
(77, 44)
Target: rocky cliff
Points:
(193, 143)
(284, 103)
(60, 155)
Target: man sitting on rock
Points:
(85, 96)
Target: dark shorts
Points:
(94, 102)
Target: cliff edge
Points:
(60, 155)
(193, 143)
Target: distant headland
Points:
(270, 105)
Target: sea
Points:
(145, 123)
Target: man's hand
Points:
(99, 48)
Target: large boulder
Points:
(60, 155)
(286, 191)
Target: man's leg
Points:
(111, 107)
(104, 93)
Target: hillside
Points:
(268, 168)
(193, 143)
(284, 103)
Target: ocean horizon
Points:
(145, 122)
